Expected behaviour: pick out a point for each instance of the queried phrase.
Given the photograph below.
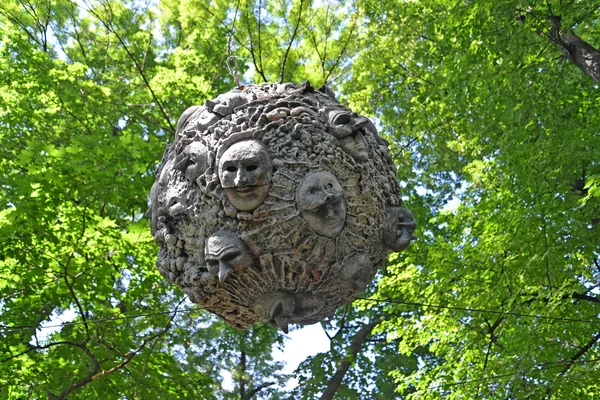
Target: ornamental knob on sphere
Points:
(275, 203)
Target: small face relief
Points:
(348, 127)
(186, 117)
(320, 199)
(355, 145)
(206, 118)
(277, 308)
(197, 155)
(245, 172)
(225, 103)
(356, 271)
(399, 227)
(224, 253)
(174, 203)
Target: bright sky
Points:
(307, 341)
(300, 344)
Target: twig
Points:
(291, 42)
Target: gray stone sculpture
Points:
(276, 204)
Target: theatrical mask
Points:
(398, 229)
(224, 253)
(320, 199)
(348, 127)
(245, 173)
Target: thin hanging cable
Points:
(8, 328)
(512, 314)
(232, 61)
(496, 378)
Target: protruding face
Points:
(347, 128)
(198, 160)
(276, 308)
(356, 271)
(224, 253)
(399, 227)
(206, 119)
(245, 173)
(320, 199)
(355, 145)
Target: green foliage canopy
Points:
(495, 134)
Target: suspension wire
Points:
(540, 367)
(9, 328)
(496, 312)
(232, 61)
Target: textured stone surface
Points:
(277, 204)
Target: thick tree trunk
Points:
(355, 347)
(581, 53)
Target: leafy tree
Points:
(491, 111)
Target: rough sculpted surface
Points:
(275, 203)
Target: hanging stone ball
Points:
(277, 204)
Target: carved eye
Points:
(341, 119)
(251, 167)
(329, 186)
(313, 190)
(231, 168)
(230, 256)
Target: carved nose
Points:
(360, 123)
(241, 179)
(330, 195)
(224, 270)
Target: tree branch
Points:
(108, 25)
(83, 381)
(94, 374)
(355, 347)
(242, 373)
(281, 75)
(579, 52)
(339, 57)
(257, 67)
(580, 353)
(257, 389)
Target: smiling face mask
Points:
(245, 172)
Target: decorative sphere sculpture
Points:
(277, 204)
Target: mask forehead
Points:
(222, 242)
(246, 150)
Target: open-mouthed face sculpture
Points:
(399, 227)
(348, 129)
(320, 199)
(245, 172)
(224, 253)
